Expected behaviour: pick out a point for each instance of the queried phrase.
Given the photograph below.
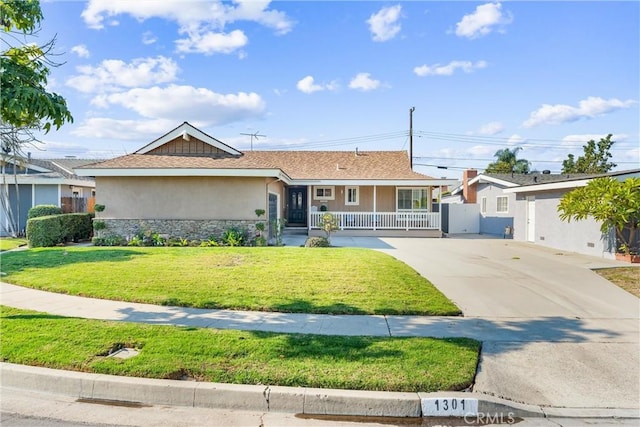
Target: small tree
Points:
(614, 204)
(595, 159)
(328, 223)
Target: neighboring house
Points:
(536, 217)
(44, 182)
(496, 205)
(189, 184)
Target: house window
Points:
(324, 193)
(412, 199)
(483, 205)
(502, 204)
(351, 196)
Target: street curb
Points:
(299, 400)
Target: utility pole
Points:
(253, 135)
(411, 110)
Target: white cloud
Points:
(203, 22)
(516, 139)
(449, 69)
(187, 103)
(384, 23)
(586, 109)
(209, 43)
(483, 20)
(308, 85)
(81, 50)
(364, 82)
(492, 128)
(573, 140)
(481, 150)
(148, 38)
(99, 127)
(113, 74)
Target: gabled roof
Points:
(53, 172)
(572, 181)
(167, 156)
(186, 130)
(301, 166)
(512, 180)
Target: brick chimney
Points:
(469, 193)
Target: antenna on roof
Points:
(253, 135)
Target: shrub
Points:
(43, 210)
(44, 231)
(113, 240)
(52, 230)
(98, 208)
(261, 241)
(76, 226)
(317, 242)
(99, 225)
(233, 237)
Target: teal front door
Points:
(297, 206)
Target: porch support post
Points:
(309, 194)
(375, 208)
(440, 210)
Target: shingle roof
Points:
(296, 164)
(534, 178)
(538, 178)
(63, 168)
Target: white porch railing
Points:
(380, 220)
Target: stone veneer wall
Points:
(186, 229)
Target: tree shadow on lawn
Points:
(518, 333)
(13, 262)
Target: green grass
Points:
(627, 278)
(303, 280)
(8, 243)
(358, 363)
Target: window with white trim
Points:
(502, 204)
(412, 199)
(324, 193)
(351, 196)
(483, 205)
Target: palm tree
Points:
(507, 162)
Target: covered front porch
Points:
(389, 224)
(410, 210)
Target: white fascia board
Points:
(562, 185)
(190, 130)
(259, 173)
(380, 182)
(493, 180)
(26, 179)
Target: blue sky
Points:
(332, 75)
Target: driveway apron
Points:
(554, 332)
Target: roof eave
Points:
(121, 172)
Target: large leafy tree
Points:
(594, 160)
(24, 68)
(25, 103)
(612, 203)
(507, 162)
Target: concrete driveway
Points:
(555, 333)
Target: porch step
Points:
(294, 231)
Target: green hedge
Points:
(55, 229)
(43, 210)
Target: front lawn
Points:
(304, 280)
(8, 243)
(357, 363)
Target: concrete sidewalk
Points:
(555, 334)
